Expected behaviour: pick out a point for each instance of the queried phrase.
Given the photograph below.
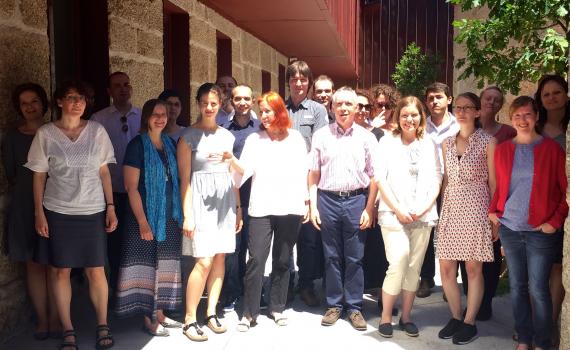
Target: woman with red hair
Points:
(274, 157)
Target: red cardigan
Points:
(548, 192)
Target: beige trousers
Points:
(405, 251)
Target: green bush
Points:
(415, 71)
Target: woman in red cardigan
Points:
(530, 221)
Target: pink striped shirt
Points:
(344, 158)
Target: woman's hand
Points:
(110, 219)
(494, 219)
(239, 219)
(42, 225)
(547, 228)
(145, 231)
(188, 227)
(494, 232)
(216, 157)
(404, 217)
(380, 120)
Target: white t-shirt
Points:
(279, 174)
(73, 185)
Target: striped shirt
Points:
(344, 158)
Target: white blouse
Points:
(73, 186)
(412, 172)
(279, 174)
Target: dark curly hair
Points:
(391, 93)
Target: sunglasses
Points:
(125, 126)
(381, 105)
(361, 107)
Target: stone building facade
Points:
(135, 30)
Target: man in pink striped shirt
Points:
(343, 192)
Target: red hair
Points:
(277, 105)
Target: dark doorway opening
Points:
(177, 56)
(265, 81)
(79, 40)
(224, 54)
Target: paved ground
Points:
(303, 332)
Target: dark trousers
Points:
(284, 230)
(428, 266)
(374, 262)
(491, 274)
(121, 201)
(343, 245)
(310, 257)
(233, 279)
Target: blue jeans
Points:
(530, 255)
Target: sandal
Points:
(279, 319)
(244, 325)
(99, 339)
(69, 343)
(156, 333)
(199, 336)
(170, 323)
(217, 327)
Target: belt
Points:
(346, 194)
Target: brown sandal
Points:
(199, 336)
(217, 327)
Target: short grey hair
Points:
(342, 90)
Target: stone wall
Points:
(249, 55)
(24, 57)
(135, 45)
(460, 86)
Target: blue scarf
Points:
(155, 185)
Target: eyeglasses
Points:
(381, 105)
(464, 108)
(125, 126)
(74, 98)
(361, 107)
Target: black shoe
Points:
(465, 334)
(424, 289)
(409, 327)
(386, 330)
(395, 310)
(450, 329)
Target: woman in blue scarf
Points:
(149, 275)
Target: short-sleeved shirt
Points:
(308, 117)
(343, 157)
(110, 118)
(73, 186)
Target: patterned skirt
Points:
(149, 273)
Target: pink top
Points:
(506, 132)
(344, 158)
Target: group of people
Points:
(370, 186)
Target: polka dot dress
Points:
(464, 230)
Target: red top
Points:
(548, 192)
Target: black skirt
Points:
(77, 240)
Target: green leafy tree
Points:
(415, 71)
(519, 41)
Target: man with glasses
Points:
(323, 89)
(440, 125)
(122, 122)
(307, 116)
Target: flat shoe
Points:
(169, 323)
(158, 333)
(199, 336)
(244, 325)
(216, 327)
(281, 321)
